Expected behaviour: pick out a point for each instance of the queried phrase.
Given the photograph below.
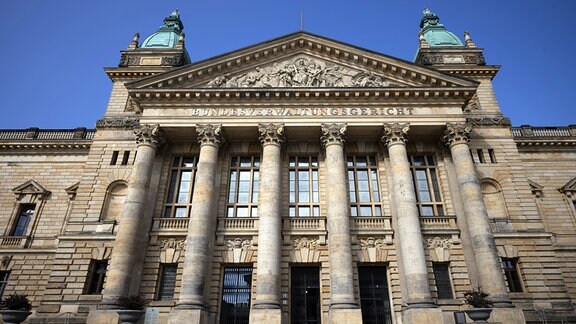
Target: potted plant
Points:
(131, 308)
(481, 305)
(15, 308)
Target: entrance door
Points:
(305, 295)
(374, 295)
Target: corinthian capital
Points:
(271, 133)
(210, 134)
(457, 133)
(333, 133)
(395, 133)
(149, 134)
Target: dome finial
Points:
(435, 33)
(168, 34)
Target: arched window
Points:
(494, 199)
(115, 195)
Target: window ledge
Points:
(162, 303)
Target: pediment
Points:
(301, 60)
(31, 187)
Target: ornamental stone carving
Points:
(133, 106)
(305, 243)
(129, 60)
(271, 133)
(373, 249)
(371, 242)
(489, 121)
(395, 133)
(300, 72)
(457, 133)
(439, 248)
(438, 242)
(120, 122)
(239, 243)
(171, 60)
(210, 134)
(149, 134)
(473, 103)
(333, 133)
(172, 243)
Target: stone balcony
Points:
(550, 138)
(440, 225)
(14, 241)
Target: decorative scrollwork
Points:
(438, 242)
(271, 133)
(371, 242)
(333, 133)
(149, 134)
(395, 133)
(457, 133)
(305, 243)
(239, 243)
(210, 134)
(121, 122)
(172, 243)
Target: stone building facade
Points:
(299, 180)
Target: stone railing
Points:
(33, 133)
(438, 222)
(13, 241)
(247, 224)
(371, 223)
(305, 224)
(170, 224)
(529, 131)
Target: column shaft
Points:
(338, 220)
(202, 226)
(132, 232)
(485, 253)
(408, 221)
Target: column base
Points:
(102, 316)
(422, 315)
(188, 316)
(344, 315)
(507, 315)
(266, 315)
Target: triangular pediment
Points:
(301, 60)
(31, 187)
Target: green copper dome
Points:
(167, 35)
(435, 33)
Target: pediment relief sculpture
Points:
(300, 71)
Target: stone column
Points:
(485, 253)
(343, 306)
(201, 229)
(266, 307)
(128, 254)
(420, 306)
(409, 234)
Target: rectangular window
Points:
(243, 187)
(492, 156)
(236, 288)
(305, 295)
(374, 295)
(443, 282)
(180, 187)
(25, 213)
(125, 157)
(363, 186)
(304, 193)
(114, 158)
(96, 277)
(481, 158)
(4, 275)
(510, 266)
(167, 281)
(425, 177)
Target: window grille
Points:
(243, 187)
(374, 295)
(305, 295)
(167, 282)
(180, 187)
(236, 289)
(443, 282)
(304, 192)
(363, 186)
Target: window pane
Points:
(235, 306)
(180, 212)
(427, 211)
(167, 282)
(443, 282)
(365, 211)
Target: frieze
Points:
(172, 60)
(300, 72)
(309, 112)
(129, 60)
(489, 121)
(239, 243)
(118, 122)
(172, 243)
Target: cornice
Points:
(115, 73)
(46, 146)
(474, 71)
(243, 94)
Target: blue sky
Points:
(52, 52)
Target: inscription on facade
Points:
(310, 112)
